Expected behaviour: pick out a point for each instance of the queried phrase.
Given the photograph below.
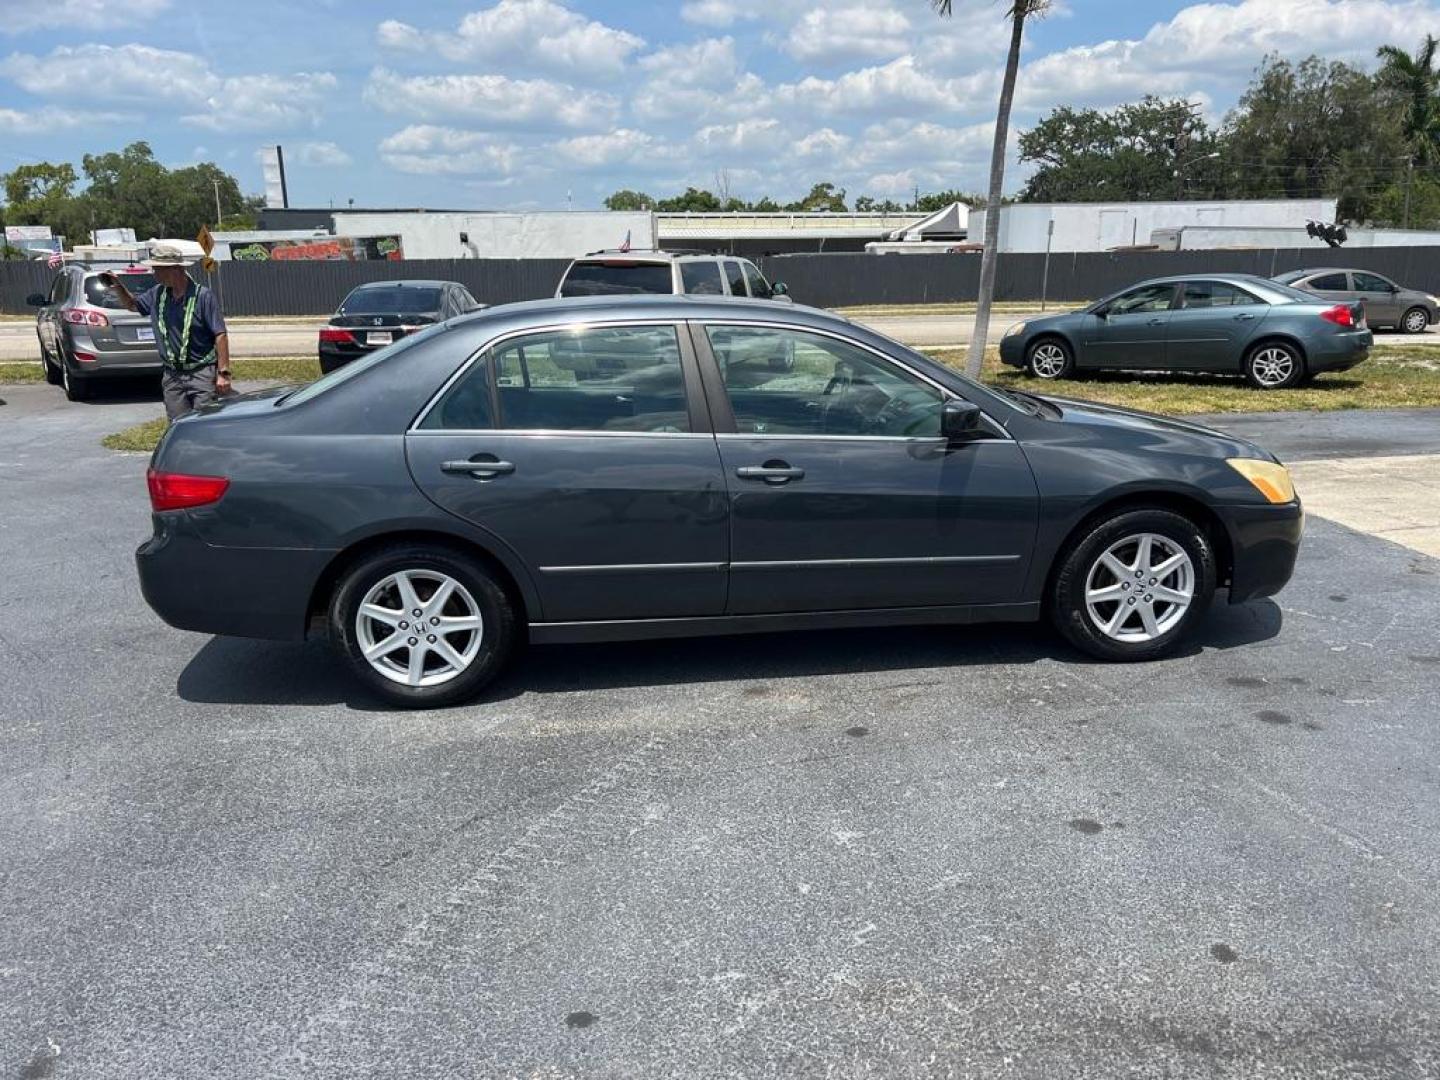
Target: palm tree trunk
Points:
(976, 356)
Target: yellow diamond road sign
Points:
(206, 241)
(209, 264)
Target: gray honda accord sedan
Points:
(649, 467)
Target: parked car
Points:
(379, 313)
(1276, 336)
(612, 273)
(1386, 304)
(86, 333)
(593, 470)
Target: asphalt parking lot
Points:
(918, 852)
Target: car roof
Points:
(409, 283)
(1176, 279)
(651, 306)
(654, 255)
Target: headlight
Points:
(1271, 480)
(1433, 299)
(1019, 327)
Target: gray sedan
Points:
(654, 467)
(1276, 336)
(1386, 304)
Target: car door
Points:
(1129, 331)
(587, 450)
(1210, 326)
(50, 318)
(1380, 296)
(843, 495)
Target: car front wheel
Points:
(1132, 586)
(1050, 358)
(52, 373)
(1274, 365)
(422, 626)
(1415, 321)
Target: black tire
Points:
(1069, 611)
(1266, 361)
(77, 387)
(1415, 321)
(52, 373)
(498, 633)
(1050, 358)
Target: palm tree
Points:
(1416, 80)
(1020, 10)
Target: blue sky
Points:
(547, 103)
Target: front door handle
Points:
(486, 468)
(772, 472)
(1244, 316)
(1156, 322)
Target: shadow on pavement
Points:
(238, 671)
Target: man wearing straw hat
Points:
(189, 330)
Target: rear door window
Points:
(1330, 283)
(617, 276)
(603, 378)
(701, 277)
(1208, 294)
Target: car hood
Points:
(1144, 424)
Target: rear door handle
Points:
(1244, 317)
(771, 473)
(481, 470)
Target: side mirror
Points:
(959, 419)
(780, 289)
(1101, 312)
(37, 299)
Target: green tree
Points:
(1415, 80)
(765, 205)
(868, 204)
(929, 202)
(694, 199)
(625, 199)
(1019, 11)
(823, 196)
(1145, 150)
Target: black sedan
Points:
(1233, 324)
(651, 467)
(382, 312)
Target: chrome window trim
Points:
(500, 339)
(553, 433)
(945, 392)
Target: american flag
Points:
(55, 259)
(626, 245)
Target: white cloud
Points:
(525, 103)
(19, 16)
(823, 143)
(743, 139)
(428, 148)
(613, 147)
(264, 103)
(896, 87)
(40, 121)
(848, 33)
(697, 81)
(525, 34)
(322, 155)
(717, 13)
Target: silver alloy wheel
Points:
(1272, 365)
(1416, 321)
(419, 627)
(1048, 360)
(1140, 588)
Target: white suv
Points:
(609, 273)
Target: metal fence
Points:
(828, 280)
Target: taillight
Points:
(330, 333)
(1340, 315)
(86, 317)
(178, 491)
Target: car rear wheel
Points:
(422, 626)
(1050, 358)
(1134, 585)
(77, 387)
(1415, 321)
(1274, 365)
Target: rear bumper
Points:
(245, 592)
(1265, 542)
(111, 357)
(1338, 352)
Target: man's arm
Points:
(222, 370)
(111, 281)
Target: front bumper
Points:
(1265, 542)
(245, 592)
(1012, 350)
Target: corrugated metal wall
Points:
(829, 280)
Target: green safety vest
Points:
(185, 364)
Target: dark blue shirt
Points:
(208, 324)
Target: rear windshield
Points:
(391, 300)
(359, 367)
(1283, 293)
(1289, 276)
(98, 295)
(608, 278)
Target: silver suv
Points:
(614, 272)
(1386, 304)
(86, 333)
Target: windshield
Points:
(98, 295)
(391, 300)
(359, 367)
(608, 278)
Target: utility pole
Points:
(217, 201)
(1185, 113)
(1409, 174)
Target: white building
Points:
(1103, 226)
(558, 234)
